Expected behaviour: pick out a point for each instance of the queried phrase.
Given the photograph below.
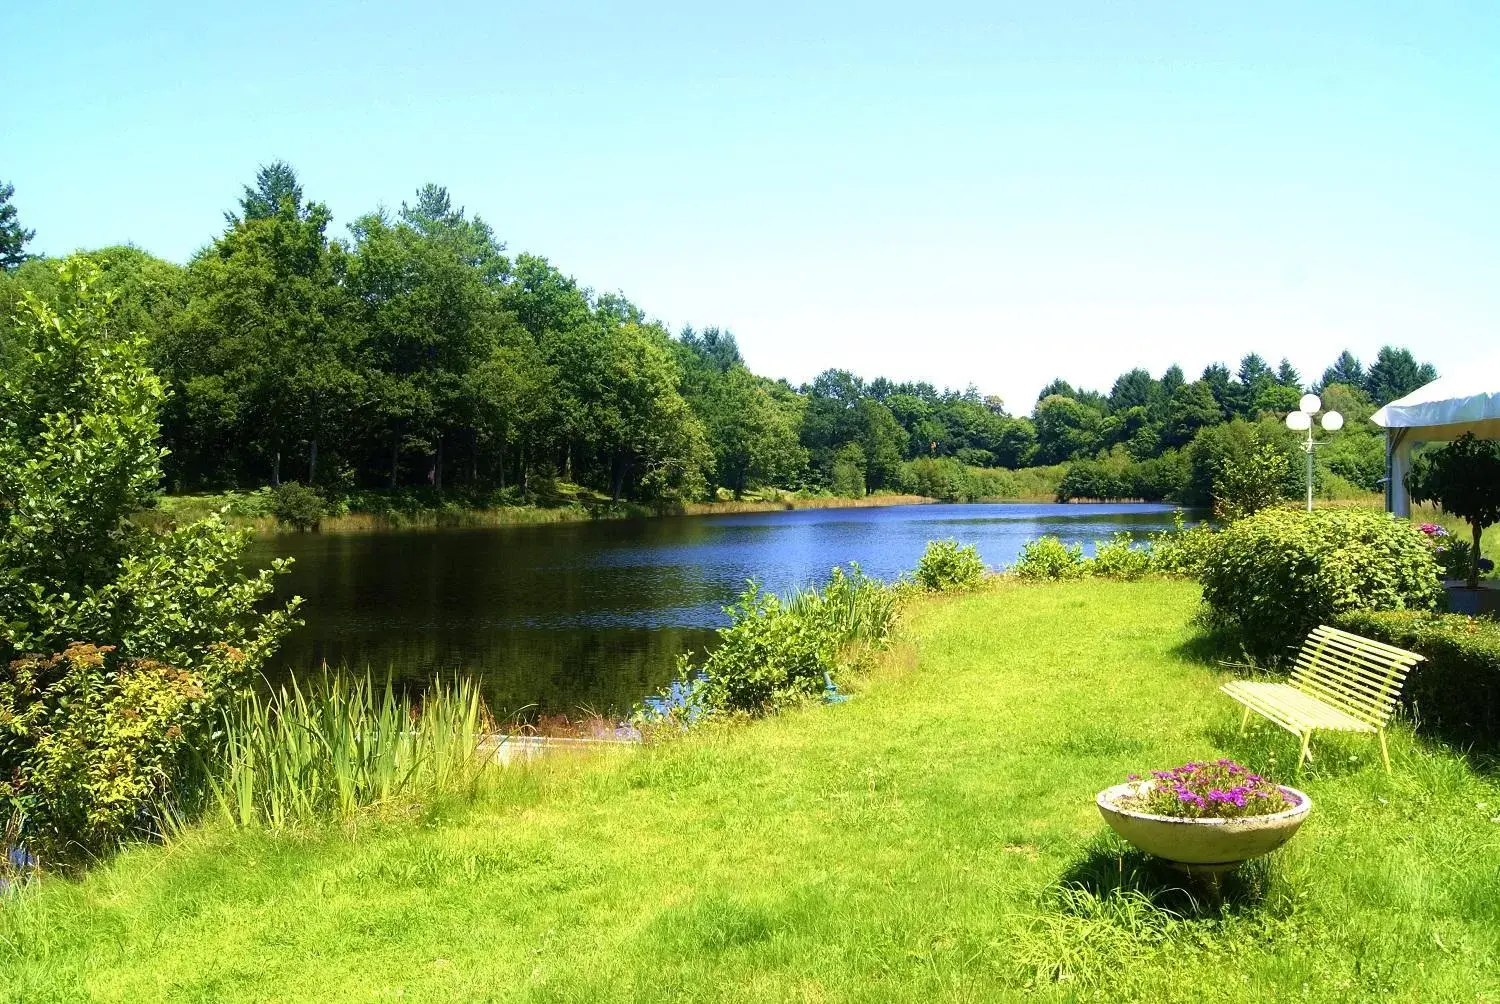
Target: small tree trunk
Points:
(276, 470)
(395, 458)
(501, 465)
(1474, 558)
(437, 466)
(312, 462)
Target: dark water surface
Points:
(558, 617)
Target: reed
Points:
(335, 748)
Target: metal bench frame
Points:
(1340, 682)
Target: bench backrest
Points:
(1358, 676)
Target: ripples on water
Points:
(556, 617)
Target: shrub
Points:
(1049, 558)
(1273, 577)
(1456, 692)
(297, 506)
(100, 742)
(1119, 558)
(1247, 483)
(778, 651)
(92, 738)
(1182, 550)
(947, 565)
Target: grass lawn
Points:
(933, 839)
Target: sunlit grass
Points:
(933, 839)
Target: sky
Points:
(991, 194)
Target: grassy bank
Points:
(564, 503)
(933, 839)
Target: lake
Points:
(568, 616)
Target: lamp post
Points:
(1302, 421)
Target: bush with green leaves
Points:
(948, 566)
(1049, 558)
(1183, 550)
(297, 505)
(1119, 558)
(1274, 576)
(119, 643)
(778, 651)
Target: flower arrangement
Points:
(1453, 554)
(1221, 789)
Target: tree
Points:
(275, 185)
(1464, 478)
(1132, 389)
(1346, 370)
(1192, 407)
(1065, 430)
(13, 237)
(1395, 374)
(266, 348)
(1287, 375)
(152, 630)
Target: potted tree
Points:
(1204, 817)
(1463, 478)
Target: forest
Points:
(418, 353)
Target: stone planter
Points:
(1210, 844)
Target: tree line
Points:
(417, 352)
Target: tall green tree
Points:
(1346, 370)
(13, 236)
(1396, 373)
(265, 354)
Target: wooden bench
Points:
(1340, 681)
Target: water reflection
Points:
(561, 616)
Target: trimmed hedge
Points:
(1456, 692)
(1272, 577)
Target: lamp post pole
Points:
(1302, 421)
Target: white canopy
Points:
(1437, 412)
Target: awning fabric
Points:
(1437, 412)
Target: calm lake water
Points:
(558, 617)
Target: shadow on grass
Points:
(1112, 877)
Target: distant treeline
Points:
(418, 352)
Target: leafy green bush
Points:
(1183, 550)
(1244, 484)
(1119, 558)
(1456, 692)
(778, 651)
(297, 505)
(947, 565)
(1274, 576)
(92, 739)
(1049, 558)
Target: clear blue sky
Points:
(986, 193)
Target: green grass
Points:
(934, 839)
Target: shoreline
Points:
(458, 518)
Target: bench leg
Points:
(1245, 720)
(1306, 753)
(1385, 754)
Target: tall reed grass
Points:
(337, 747)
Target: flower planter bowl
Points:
(1210, 844)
